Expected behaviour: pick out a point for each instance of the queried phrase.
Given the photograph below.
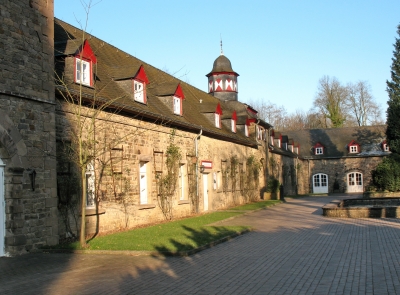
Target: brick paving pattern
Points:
(294, 250)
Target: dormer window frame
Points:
(259, 132)
(319, 149)
(139, 91)
(177, 99)
(83, 65)
(246, 130)
(83, 71)
(217, 116)
(217, 120)
(385, 146)
(177, 102)
(233, 122)
(233, 125)
(139, 83)
(353, 147)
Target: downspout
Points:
(197, 137)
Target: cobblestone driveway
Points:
(294, 250)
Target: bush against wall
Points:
(386, 176)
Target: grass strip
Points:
(180, 235)
(257, 205)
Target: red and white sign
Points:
(206, 164)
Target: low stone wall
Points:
(363, 208)
(380, 194)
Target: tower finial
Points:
(222, 52)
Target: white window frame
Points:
(233, 125)
(83, 70)
(246, 130)
(139, 91)
(217, 120)
(353, 149)
(90, 186)
(177, 105)
(319, 150)
(386, 147)
(143, 187)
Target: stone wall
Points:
(337, 170)
(27, 125)
(130, 141)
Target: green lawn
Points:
(257, 205)
(180, 235)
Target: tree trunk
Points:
(82, 236)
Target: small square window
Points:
(319, 151)
(82, 74)
(385, 147)
(353, 149)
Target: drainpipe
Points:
(197, 137)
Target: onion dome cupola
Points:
(222, 80)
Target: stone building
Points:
(140, 127)
(222, 143)
(339, 159)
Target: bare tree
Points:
(91, 129)
(271, 113)
(330, 101)
(361, 104)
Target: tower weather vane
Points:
(222, 52)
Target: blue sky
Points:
(279, 48)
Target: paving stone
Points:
(293, 250)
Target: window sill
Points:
(182, 202)
(146, 206)
(94, 211)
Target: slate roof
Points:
(114, 65)
(222, 64)
(335, 141)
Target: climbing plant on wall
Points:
(167, 181)
(192, 184)
(253, 168)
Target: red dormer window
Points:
(218, 113)
(84, 60)
(139, 86)
(252, 111)
(178, 98)
(233, 122)
(354, 147)
(385, 146)
(319, 149)
(247, 126)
